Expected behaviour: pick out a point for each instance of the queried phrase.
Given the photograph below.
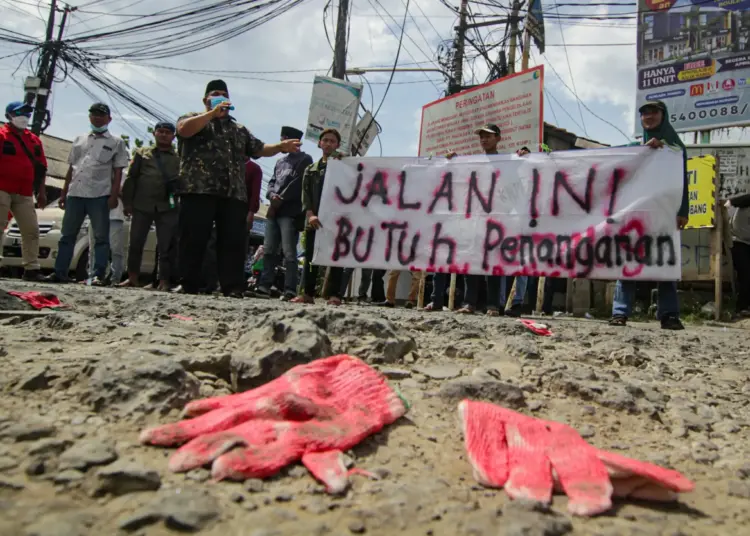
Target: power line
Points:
(572, 78)
(581, 102)
(390, 79)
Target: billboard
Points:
(334, 104)
(513, 103)
(694, 56)
(734, 166)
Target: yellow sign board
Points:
(701, 191)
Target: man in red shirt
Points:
(21, 159)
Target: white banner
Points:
(513, 103)
(600, 214)
(333, 104)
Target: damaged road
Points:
(79, 385)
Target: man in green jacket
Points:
(312, 190)
(657, 132)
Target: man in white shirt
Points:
(92, 188)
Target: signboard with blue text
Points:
(695, 56)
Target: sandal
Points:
(303, 299)
(618, 320)
(493, 312)
(334, 301)
(465, 310)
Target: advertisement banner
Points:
(334, 104)
(734, 166)
(513, 103)
(362, 140)
(694, 56)
(701, 191)
(591, 214)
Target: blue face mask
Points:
(99, 130)
(215, 101)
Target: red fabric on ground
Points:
(530, 457)
(38, 300)
(311, 413)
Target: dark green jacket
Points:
(312, 186)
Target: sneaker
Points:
(671, 322)
(410, 305)
(618, 320)
(96, 282)
(236, 294)
(54, 278)
(288, 297)
(263, 293)
(385, 303)
(514, 311)
(32, 275)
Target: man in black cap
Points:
(92, 188)
(213, 150)
(149, 197)
(489, 137)
(284, 218)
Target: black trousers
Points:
(741, 261)
(310, 271)
(166, 240)
(198, 214)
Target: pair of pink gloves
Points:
(316, 411)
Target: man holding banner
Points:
(312, 191)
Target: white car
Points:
(50, 225)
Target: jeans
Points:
(625, 294)
(521, 283)
(198, 213)
(76, 210)
(24, 212)
(741, 261)
(281, 236)
(166, 241)
(116, 248)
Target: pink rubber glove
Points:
(530, 457)
(311, 413)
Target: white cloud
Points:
(604, 76)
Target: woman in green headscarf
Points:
(657, 132)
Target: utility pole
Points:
(339, 52)
(457, 80)
(339, 71)
(513, 36)
(47, 65)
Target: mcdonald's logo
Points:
(696, 90)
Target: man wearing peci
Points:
(284, 217)
(214, 149)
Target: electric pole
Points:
(513, 22)
(339, 52)
(47, 65)
(339, 71)
(457, 80)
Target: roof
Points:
(574, 139)
(56, 150)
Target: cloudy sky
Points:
(270, 69)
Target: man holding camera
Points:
(148, 196)
(214, 149)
